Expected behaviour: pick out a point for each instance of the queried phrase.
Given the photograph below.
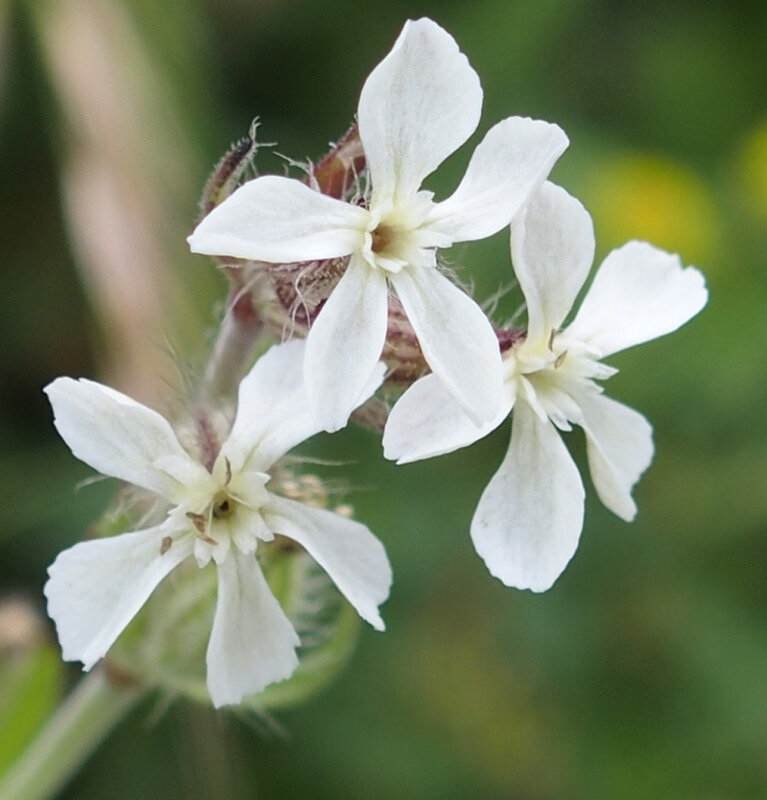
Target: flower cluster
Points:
(372, 248)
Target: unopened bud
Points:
(337, 173)
(21, 626)
(227, 173)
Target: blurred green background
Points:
(643, 672)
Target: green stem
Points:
(73, 732)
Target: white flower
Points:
(529, 519)
(96, 587)
(417, 107)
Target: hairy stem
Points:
(234, 344)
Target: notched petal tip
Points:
(639, 293)
(507, 167)
(58, 385)
(628, 514)
(418, 105)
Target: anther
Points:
(165, 545)
(551, 339)
(198, 520)
(559, 359)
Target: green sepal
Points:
(164, 646)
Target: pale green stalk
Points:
(74, 731)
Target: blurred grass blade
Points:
(128, 180)
(30, 677)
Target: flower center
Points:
(223, 505)
(382, 239)
(394, 237)
(391, 246)
(529, 358)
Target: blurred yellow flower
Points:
(751, 171)
(642, 196)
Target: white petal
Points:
(639, 293)
(529, 519)
(248, 488)
(97, 587)
(556, 397)
(509, 164)
(620, 448)
(248, 529)
(428, 422)
(420, 104)
(456, 338)
(345, 343)
(122, 438)
(252, 643)
(280, 220)
(552, 246)
(273, 414)
(351, 555)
